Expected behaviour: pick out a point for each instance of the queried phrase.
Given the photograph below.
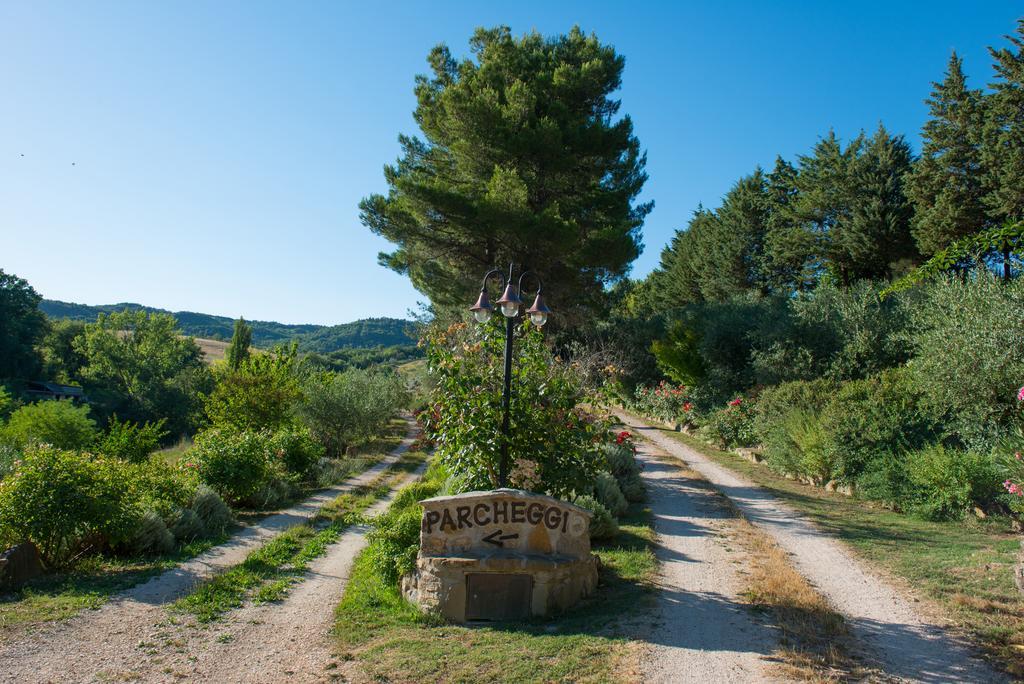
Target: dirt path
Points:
(900, 640)
(703, 631)
(129, 629)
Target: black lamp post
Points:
(510, 304)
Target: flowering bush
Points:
(732, 426)
(667, 403)
(553, 444)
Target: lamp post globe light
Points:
(510, 305)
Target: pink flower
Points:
(1020, 394)
(1013, 488)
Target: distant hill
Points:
(365, 333)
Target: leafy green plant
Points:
(603, 525)
(297, 449)
(261, 392)
(948, 482)
(606, 490)
(212, 512)
(548, 428)
(62, 424)
(150, 536)
(238, 465)
(129, 441)
(809, 443)
(60, 499)
(732, 426)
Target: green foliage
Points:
(603, 525)
(261, 393)
(23, 326)
(297, 450)
(947, 483)
(211, 511)
(342, 409)
(395, 542)
(238, 465)
(775, 403)
(1003, 138)
(969, 359)
(606, 490)
(678, 354)
(806, 453)
(138, 366)
(150, 537)
(237, 352)
(62, 424)
(129, 441)
(60, 349)
(947, 185)
(156, 485)
(552, 441)
(61, 500)
(667, 403)
(497, 176)
(732, 426)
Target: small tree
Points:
(21, 326)
(261, 393)
(238, 351)
(60, 423)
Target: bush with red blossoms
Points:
(665, 402)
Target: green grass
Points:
(392, 640)
(268, 573)
(87, 586)
(964, 566)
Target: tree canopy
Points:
(21, 326)
(523, 158)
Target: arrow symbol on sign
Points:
(498, 539)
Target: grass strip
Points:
(267, 573)
(390, 640)
(965, 567)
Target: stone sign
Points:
(482, 554)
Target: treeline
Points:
(365, 333)
(778, 321)
(89, 476)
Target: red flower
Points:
(622, 437)
(736, 402)
(688, 406)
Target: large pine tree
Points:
(947, 186)
(1003, 149)
(523, 158)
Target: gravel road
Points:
(119, 640)
(703, 632)
(898, 638)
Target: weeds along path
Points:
(898, 638)
(702, 632)
(126, 628)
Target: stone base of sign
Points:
(441, 583)
(503, 554)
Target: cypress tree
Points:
(237, 352)
(947, 186)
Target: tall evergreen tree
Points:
(947, 185)
(524, 159)
(1003, 149)
(789, 249)
(241, 340)
(877, 238)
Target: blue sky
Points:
(210, 156)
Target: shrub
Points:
(342, 409)
(61, 424)
(547, 423)
(869, 419)
(237, 465)
(774, 404)
(186, 526)
(620, 462)
(395, 541)
(132, 442)
(8, 455)
(969, 359)
(807, 454)
(603, 525)
(150, 536)
(161, 487)
(57, 498)
(211, 511)
(948, 482)
(732, 426)
(297, 450)
(633, 488)
(606, 490)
